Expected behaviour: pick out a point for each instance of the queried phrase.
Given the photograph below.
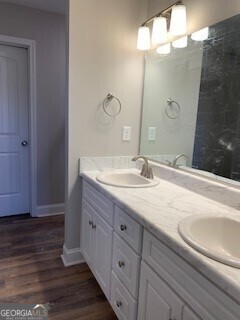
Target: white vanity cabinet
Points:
(97, 237)
(141, 277)
(209, 302)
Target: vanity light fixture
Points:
(180, 43)
(165, 49)
(176, 14)
(200, 35)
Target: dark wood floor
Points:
(31, 271)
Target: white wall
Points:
(102, 58)
(200, 13)
(49, 31)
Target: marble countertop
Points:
(160, 209)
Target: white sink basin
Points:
(126, 179)
(216, 236)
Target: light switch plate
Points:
(151, 133)
(126, 136)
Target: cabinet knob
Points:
(118, 304)
(94, 226)
(121, 264)
(90, 222)
(123, 227)
(24, 143)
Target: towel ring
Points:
(169, 103)
(109, 98)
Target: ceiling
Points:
(57, 6)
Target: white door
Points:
(14, 119)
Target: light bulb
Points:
(180, 43)
(165, 49)
(178, 24)
(159, 31)
(143, 41)
(200, 35)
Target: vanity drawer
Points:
(206, 299)
(98, 201)
(121, 300)
(126, 264)
(129, 229)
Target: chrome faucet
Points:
(146, 170)
(174, 164)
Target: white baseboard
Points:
(71, 257)
(50, 210)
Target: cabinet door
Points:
(87, 233)
(102, 239)
(189, 314)
(157, 301)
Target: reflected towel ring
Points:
(108, 98)
(169, 103)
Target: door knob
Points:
(24, 143)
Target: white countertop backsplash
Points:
(161, 208)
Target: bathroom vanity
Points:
(130, 241)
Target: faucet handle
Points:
(168, 162)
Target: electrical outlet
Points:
(126, 136)
(151, 133)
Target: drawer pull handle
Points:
(121, 264)
(90, 223)
(119, 304)
(123, 227)
(94, 226)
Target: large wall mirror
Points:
(191, 103)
